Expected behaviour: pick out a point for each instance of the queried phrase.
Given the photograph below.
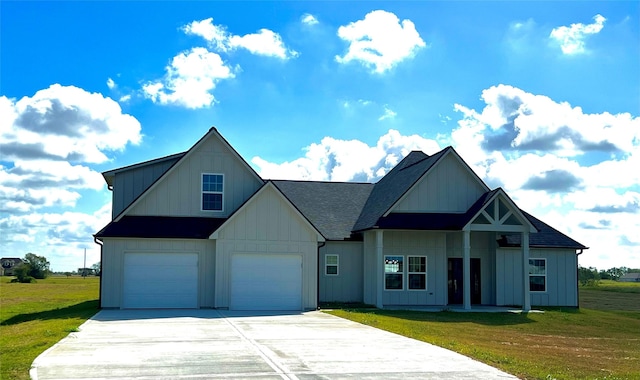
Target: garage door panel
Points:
(266, 282)
(160, 280)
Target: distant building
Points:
(8, 265)
(630, 277)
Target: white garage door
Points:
(160, 280)
(266, 282)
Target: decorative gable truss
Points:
(499, 213)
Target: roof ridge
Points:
(308, 181)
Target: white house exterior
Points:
(201, 229)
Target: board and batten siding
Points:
(414, 243)
(562, 280)
(348, 284)
(448, 187)
(267, 224)
(129, 184)
(113, 251)
(370, 278)
(483, 245)
(180, 192)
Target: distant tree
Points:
(616, 273)
(97, 268)
(21, 271)
(38, 266)
(588, 276)
(68, 274)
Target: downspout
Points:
(318, 277)
(578, 253)
(95, 240)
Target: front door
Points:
(455, 281)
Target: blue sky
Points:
(541, 98)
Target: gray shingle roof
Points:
(393, 185)
(546, 237)
(167, 227)
(332, 207)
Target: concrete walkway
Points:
(210, 344)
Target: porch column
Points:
(526, 302)
(466, 268)
(379, 268)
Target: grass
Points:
(601, 341)
(35, 316)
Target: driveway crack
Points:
(270, 357)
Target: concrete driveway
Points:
(210, 344)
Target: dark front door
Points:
(456, 284)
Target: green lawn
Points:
(35, 316)
(598, 342)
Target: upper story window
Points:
(212, 192)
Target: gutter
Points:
(322, 244)
(95, 240)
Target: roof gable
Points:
(267, 215)
(394, 186)
(211, 134)
(449, 186)
(495, 211)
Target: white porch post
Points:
(526, 302)
(379, 268)
(466, 268)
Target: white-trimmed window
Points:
(417, 272)
(538, 275)
(212, 192)
(393, 272)
(331, 263)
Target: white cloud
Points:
(574, 170)
(64, 123)
(216, 35)
(190, 79)
(388, 113)
(45, 139)
(265, 42)
(124, 98)
(48, 143)
(347, 160)
(308, 19)
(380, 41)
(110, 83)
(61, 237)
(572, 38)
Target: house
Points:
(630, 277)
(201, 229)
(8, 264)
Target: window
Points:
(393, 272)
(417, 272)
(538, 275)
(331, 265)
(212, 192)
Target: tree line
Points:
(591, 275)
